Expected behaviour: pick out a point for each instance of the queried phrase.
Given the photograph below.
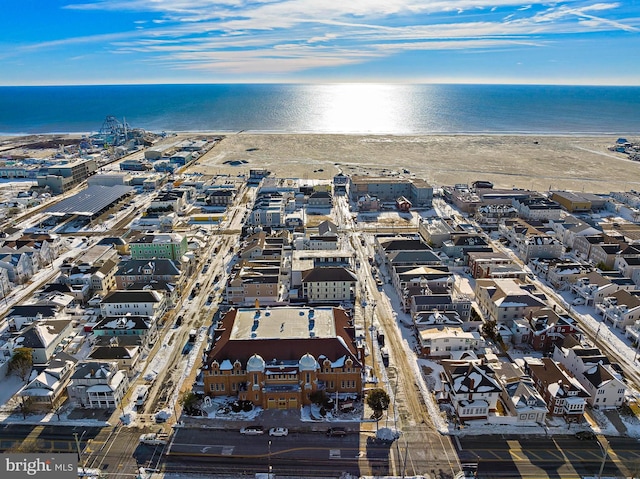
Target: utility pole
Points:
(605, 450)
(75, 435)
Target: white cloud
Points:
(293, 35)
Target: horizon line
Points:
(328, 82)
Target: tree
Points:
(21, 362)
(317, 397)
(489, 329)
(188, 400)
(379, 401)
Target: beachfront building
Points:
(571, 201)
(277, 357)
(537, 208)
(66, 176)
(389, 189)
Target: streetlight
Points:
(393, 404)
(372, 329)
(75, 435)
(595, 340)
(605, 450)
(269, 460)
(3, 293)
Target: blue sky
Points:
(44, 42)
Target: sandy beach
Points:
(537, 162)
(521, 161)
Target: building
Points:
(442, 303)
(329, 284)
(572, 202)
(537, 208)
(559, 272)
(562, 393)
(523, 401)
(472, 389)
(98, 385)
(593, 287)
(548, 329)
(621, 309)
(144, 328)
(46, 391)
(142, 302)
(441, 341)
(388, 189)
(507, 300)
(252, 281)
(43, 338)
(66, 176)
(147, 271)
(593, 371)
(164, 246)
(277, 357)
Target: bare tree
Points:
(21, 362)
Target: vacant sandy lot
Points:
(572, 163)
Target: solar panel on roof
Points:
(90, 200)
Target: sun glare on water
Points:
(360, 108)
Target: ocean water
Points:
(326, 108)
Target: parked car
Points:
(154, 439)
(578, 302)
(278, 431)
(336, 432)
(252, 430)
(585, 435)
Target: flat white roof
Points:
(283, 323)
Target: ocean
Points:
(401, 109)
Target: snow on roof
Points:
(99, 388)
(226, 365)
(120, 323)
(339, 363)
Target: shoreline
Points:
(532, 161)
(72, 134)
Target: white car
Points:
(578, 301)
(278, 431)
(252, 431)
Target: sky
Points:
(53, 42)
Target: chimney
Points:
(472, 383)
